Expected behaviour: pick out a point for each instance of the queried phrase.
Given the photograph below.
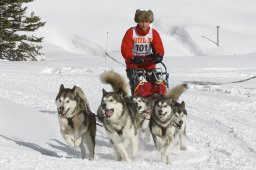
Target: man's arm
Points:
(127, 45)
(157, 43)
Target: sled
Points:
(151, 83)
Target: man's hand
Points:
(158, 58)
(137, 60)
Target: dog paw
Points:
(77, 142)
(128, 160)
(71, 143)
(168, 162)
(133, 158)
(183, 148)
(91, 158)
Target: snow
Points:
(221, 118)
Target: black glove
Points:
(137, 60)
(158, 58)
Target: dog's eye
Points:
(111, 100)
(67, 101)
(60, 100)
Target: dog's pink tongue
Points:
(109, 112)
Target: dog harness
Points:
(163, 125)
(70, 122)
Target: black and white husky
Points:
(118, 117)
(179, 120)
(168, 122)
(77, 122)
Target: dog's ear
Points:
(79, 93)
(123, 95)
(172, 103)
(104, 92)
(183, 104)
(61, 88)
(154, 102)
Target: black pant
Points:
(132, 79)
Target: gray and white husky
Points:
(142, 115)
(77, 122)
(118, 116)
(180, 113)
(167, 122)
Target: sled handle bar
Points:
(148, 58)
(164, 66)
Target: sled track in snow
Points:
(222, 123)
(227, 131)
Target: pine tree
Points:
(16, 40)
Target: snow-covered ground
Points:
(221, 118)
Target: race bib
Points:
(142, 44)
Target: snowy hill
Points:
(221, 118)
(81, 26)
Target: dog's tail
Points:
(117, 82)
(176, 91)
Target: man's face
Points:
(144, 25)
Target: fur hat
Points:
(143, 16)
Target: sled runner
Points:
(151, 83)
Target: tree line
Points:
(17, 42)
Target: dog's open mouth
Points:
(178, 125)
(161, 115)
(139, 108)
(109, 112)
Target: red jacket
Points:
(127, 45)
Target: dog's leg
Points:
(161, 146)
(147, 136)
(134, 145)
(168, 160)
(167, 150)
(121, 149)
(165, 158)
(162, 149)
(78, 142)
(145, 123)
(118, 155)
(158, 143)
(83, 153)
(139, 134)
(69, 140)
(145, 131)
(90, 144)
(162, 157)
(183, 140)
